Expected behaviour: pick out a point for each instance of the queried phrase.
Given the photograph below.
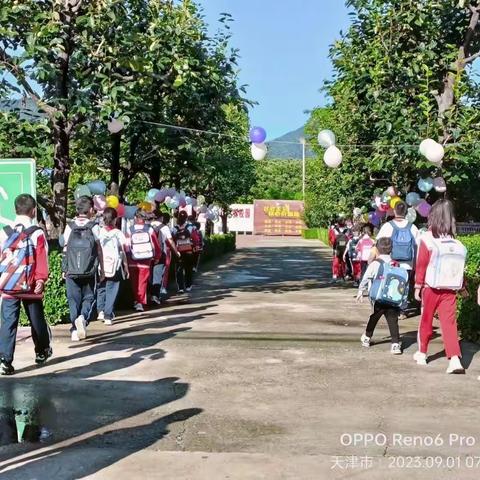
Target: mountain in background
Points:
(288, 150)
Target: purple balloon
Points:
(258, 135)
(424, 208)
(160, 196)
(375, 220)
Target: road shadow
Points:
(70, 463)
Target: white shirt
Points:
(387, 232)
(81, 222)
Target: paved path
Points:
(256, 376)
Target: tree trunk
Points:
(60, 177)
(116, 145)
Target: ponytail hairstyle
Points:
(110, 217)
(441, 221)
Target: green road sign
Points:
(16, 176)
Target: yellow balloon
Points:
(146, 207)
(395, 201)
(112, 201)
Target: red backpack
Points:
(17, 262)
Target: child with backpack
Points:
(23, 274)
(82, 262)
(161, 270)
(113, 243)
(353, 257)
(144, 253)
(387, 284)
(439, 278)
(365, 247)
(186, 238)
(338, 238)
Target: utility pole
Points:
(304, 146)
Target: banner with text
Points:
(279, 217)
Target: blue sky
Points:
(284, 54)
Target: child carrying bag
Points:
(390, 286)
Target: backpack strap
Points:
(8, 230)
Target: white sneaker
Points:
(365, 341)
(138, 307)
(108, 321)
(189, 289)
(455, 366)
(181, 292)
(75, 336)
(156, 300)
(163, 291)
(396, 349)
(81, 326)
(420, 358)
(101, 316)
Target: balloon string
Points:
(284, 142)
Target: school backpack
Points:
(112, 253)
(447, 264)
(141, 246)
(197, 240)
(367, 247)
(17, 262)
(390, 286)
(341, 241)
(183, 239)
(81, 256)
(403, 243)
(353, 253)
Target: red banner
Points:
(279, 217)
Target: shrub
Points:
(316, 234)
(468, 310)
(217, 245)
(55, 300)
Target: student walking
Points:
(23, 273)
(387, 284)
(113, 244)
(144, 253)
(82, 262)
(364, 248)
(338, 238)
(439, 277)
(161, 270)
(186, 237)
(353, 257)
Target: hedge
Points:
(55, 299)
(316, 234)
(468, 309)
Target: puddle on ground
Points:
(21, 426)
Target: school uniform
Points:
(338, 264)
(107, 291)
(32, 303)
(184, 264)
(364, 248)
(140, 270)
(435, 300)
(380, 309)
(80, 291)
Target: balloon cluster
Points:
(97, 191)
(333, 156)
(259, 150)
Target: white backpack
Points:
(447, 263)
(141, 244)
(112, 254)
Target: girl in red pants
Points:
(439, 276)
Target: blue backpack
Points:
(403, 243)
(390, 286)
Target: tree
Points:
(401, 75)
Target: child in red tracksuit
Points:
(14, 294)
(338, 237)
(430, 290)
(144, 251)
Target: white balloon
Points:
(259, 151)
(115, 126)
(439, 185)
(411, 215)
(435, 152)
(333, 157)
(326, 138)
(425, 144)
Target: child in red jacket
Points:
(439, 276)
(24, 283)
(144, 252)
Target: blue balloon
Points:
(130, 211)
(97, 187)
(413, 199)
(258, 135)
(425, 184)
(152, 193)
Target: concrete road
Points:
(259, 374)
